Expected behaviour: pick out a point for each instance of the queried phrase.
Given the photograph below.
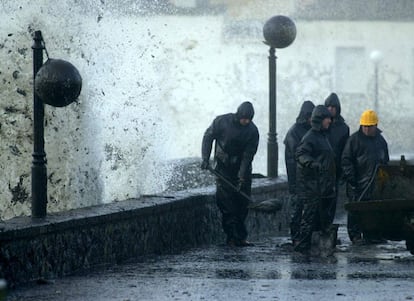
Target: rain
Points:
(155, 73)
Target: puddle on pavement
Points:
(233, 274)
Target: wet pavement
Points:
(267, 271)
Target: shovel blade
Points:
(324, 242)
(271, 205)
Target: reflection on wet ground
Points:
(267, 271)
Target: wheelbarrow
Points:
(390, 215)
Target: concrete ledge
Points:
(65, 242)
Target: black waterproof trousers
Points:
(296, 209)
(316, 217)
(234, 210)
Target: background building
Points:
(155, 73)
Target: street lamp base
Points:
(272, 159)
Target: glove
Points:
(205, 164)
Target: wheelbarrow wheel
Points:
(409, 243)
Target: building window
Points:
(350, 70)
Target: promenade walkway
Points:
(267, 271)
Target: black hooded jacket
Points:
(338, 132)
(235, 145)
(316, 160)
(359, 160)
(292, 140)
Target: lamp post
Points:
(57, 83)
(39, 172)
(376, 57)
(279, 32)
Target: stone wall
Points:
(79, 239)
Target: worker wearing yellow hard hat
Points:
(364, 152)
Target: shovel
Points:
(270, 205)
(230, 184)
(374, 174)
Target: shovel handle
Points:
(229, 184)
(370, 182)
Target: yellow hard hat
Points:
(369, 117)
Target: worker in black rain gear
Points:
(291, 141)
(316, 176)
(364, 152)
(236, 140)
(338, 134)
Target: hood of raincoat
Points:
(245, 110)
(305, 112)
(333, 101)
(318, 115)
